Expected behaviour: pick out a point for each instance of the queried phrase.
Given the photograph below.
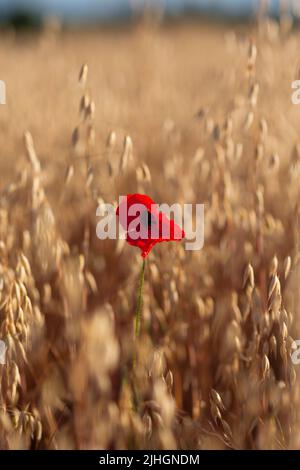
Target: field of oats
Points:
(184, 113)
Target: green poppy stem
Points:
(138, 314)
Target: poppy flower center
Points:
(148, 219)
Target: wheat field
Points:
(188, 113)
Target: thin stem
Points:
(138, 314)
(137, 328)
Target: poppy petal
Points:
(146, 226)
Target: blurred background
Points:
(108, 10)
(189, 102)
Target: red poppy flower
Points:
(144, 224)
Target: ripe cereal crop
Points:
(185, 112)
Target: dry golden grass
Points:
(185, 113)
